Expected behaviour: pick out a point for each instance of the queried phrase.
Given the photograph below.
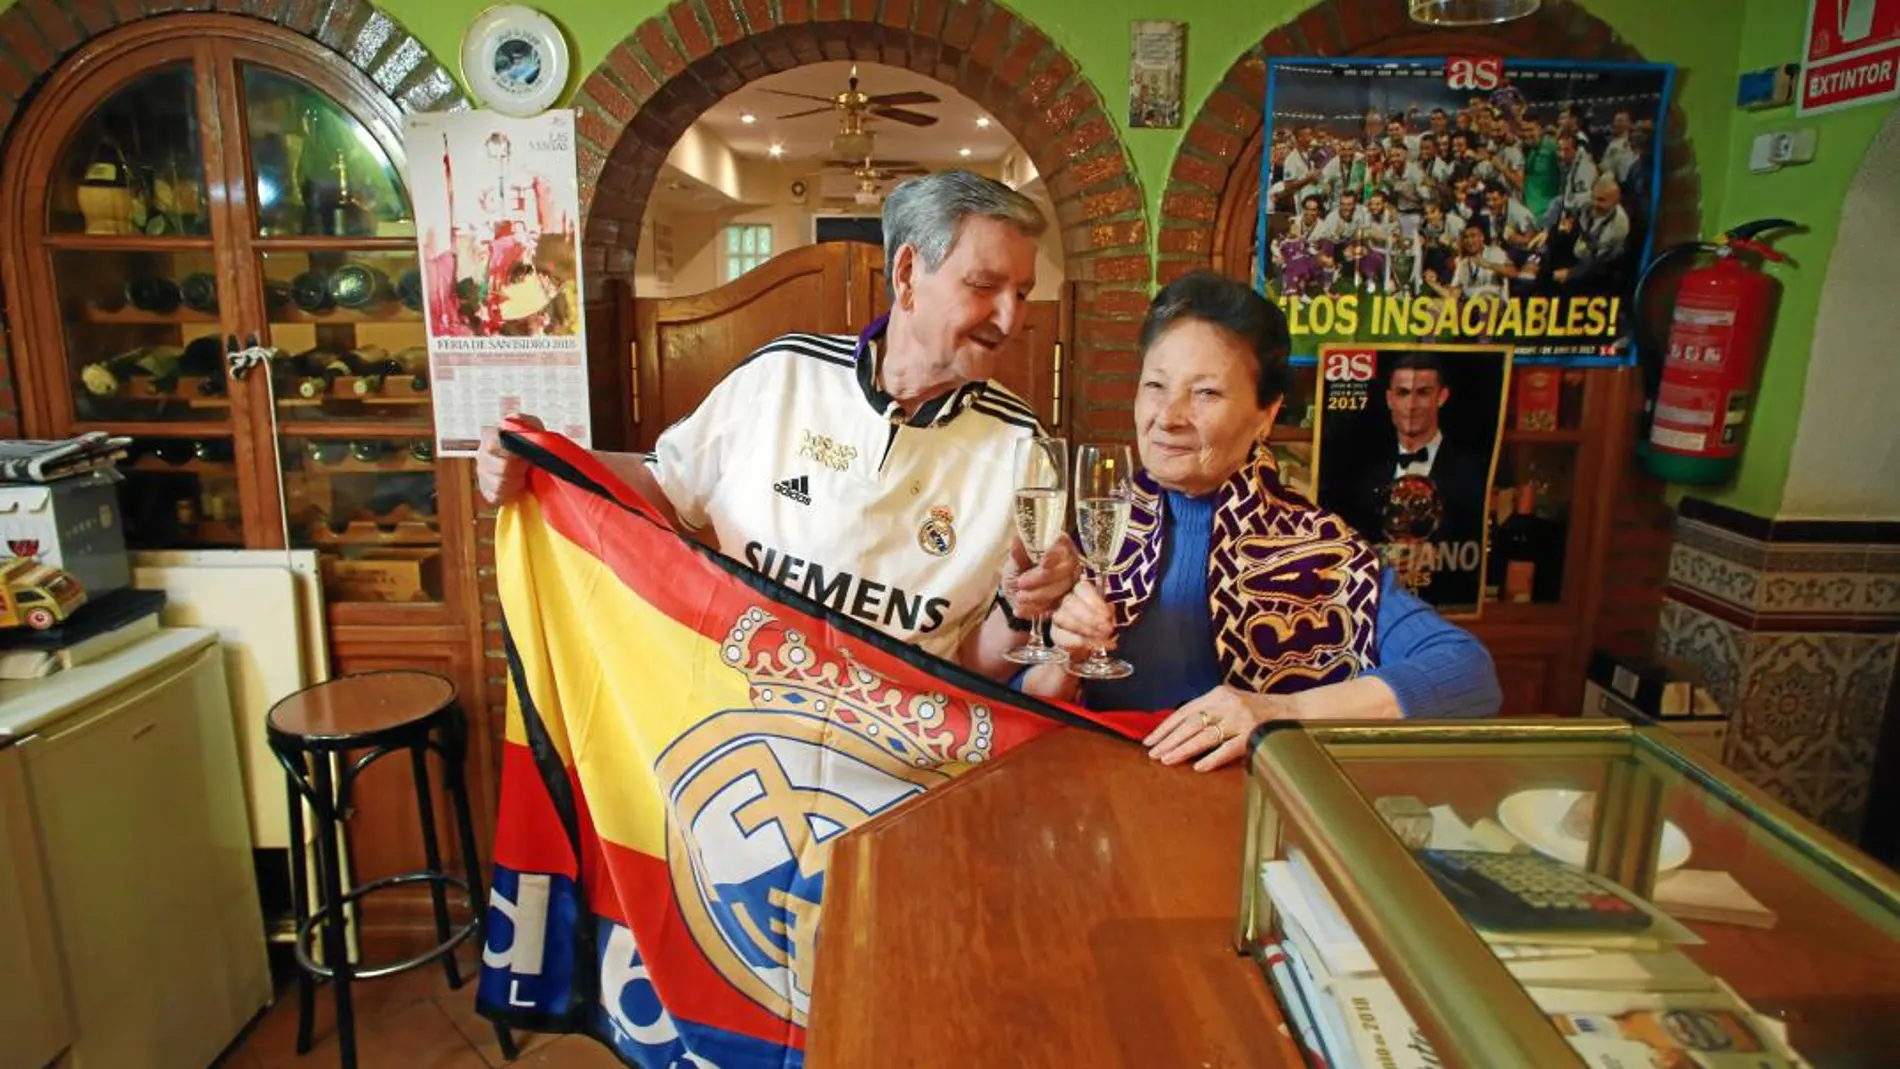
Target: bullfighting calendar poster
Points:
(1407, 448)
(1465, 200)
(497, 205)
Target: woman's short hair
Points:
(927, 212)
(1234, 307)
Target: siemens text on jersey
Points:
(868, 600)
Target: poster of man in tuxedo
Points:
(1408, 439)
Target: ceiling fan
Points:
(871, 174)
(853, 105)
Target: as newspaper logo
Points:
(798, 489)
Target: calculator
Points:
(1528, 892)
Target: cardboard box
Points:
(74, 524)
(393, 574)
(1666, 692)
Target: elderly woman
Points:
(1236, 600)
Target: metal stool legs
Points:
(311, 780)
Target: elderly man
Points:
(1603, 237)
(874, 473)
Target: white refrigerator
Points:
(136, 801)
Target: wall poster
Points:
(1156, 52)
(497, 204)
(1407, 440)
(1464, 200)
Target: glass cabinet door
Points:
(137, 304)
(333, 250)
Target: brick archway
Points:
(674, 66)
(1219, 158)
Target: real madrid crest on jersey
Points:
(938, 536)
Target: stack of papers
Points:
(1621, 999)
(34, 461)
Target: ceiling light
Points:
(983, 122)
(748, 118)
(776, 150)
(1470, 12)
(963, 152)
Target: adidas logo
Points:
(798, 489)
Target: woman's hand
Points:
(1051, 681)
(1083, 623)
(1215, 724)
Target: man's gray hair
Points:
(927, 212)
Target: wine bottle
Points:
(422, 450)
(204, 361)
(325, 450)
(158, 362)
(1518, 538)
(173, 450)
(212, 451)
(310, 291)
(199, 291)
(413, 362)
(327, 367)
(151, 293)
(369, 451)
(1494, 518)
(357, 285)
(410, 289)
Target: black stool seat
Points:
(378, 713)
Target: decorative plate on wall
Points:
(514, 60)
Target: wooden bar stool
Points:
(379, 713)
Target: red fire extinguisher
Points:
(1700, 384)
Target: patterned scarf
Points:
(1293, 591)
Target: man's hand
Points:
(499, 474)
(1216, 724)
(1034, 592)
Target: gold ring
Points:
(1207, 720)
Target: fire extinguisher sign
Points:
(1852, 55)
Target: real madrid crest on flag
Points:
(937, 536)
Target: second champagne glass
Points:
(1042, 497)
(1104, 495)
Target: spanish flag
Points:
(685, 739)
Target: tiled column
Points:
(1795, 623)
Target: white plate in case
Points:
(1536, 818)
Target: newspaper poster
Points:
(497, 203)
(1156, 52)
(1465, 200)
(1408, 439)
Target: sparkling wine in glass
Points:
(1104, 495)
(1042, 500)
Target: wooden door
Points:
(1032, 368)
(683, 346)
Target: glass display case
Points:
(138, 285)
(1548, 893)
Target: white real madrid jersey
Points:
(814, 478)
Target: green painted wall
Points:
(1810, 194)
(1698, 35)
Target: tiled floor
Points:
(410, 1021)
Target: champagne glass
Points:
(1042, 497)
(1104, 494)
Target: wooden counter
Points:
(1070, 905)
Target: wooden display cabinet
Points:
(187, 187)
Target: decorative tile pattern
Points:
(1725, 544)
(1810, 593)
(1796, 627)
(1716, 576)
(1718, 649)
